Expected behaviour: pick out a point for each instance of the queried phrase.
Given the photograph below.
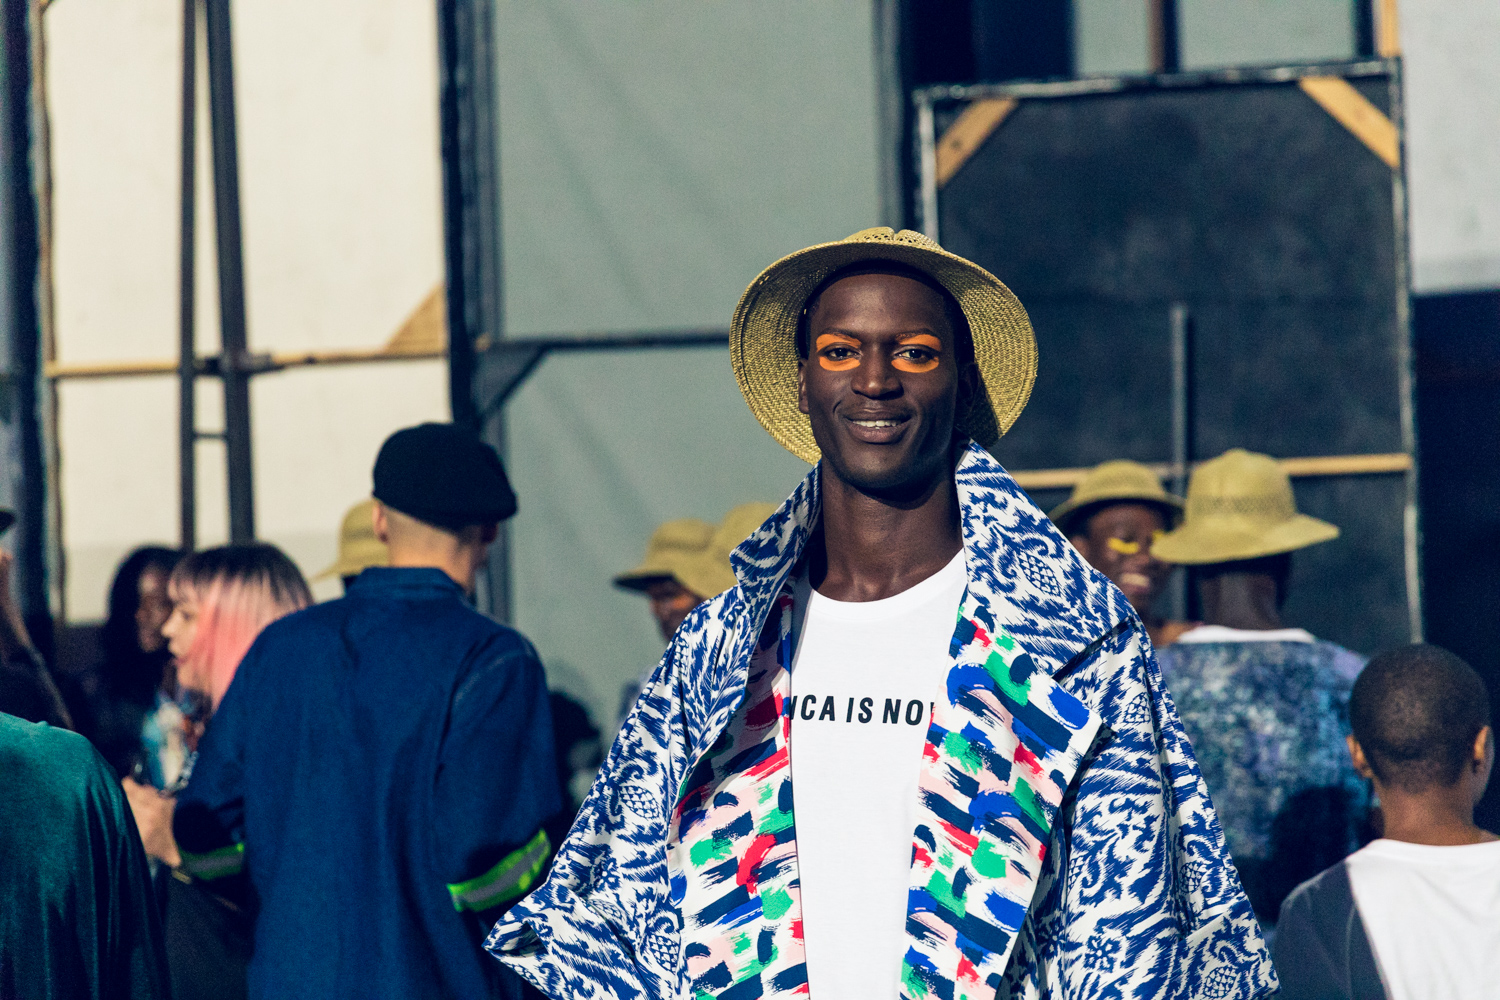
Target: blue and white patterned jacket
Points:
(1066, 846)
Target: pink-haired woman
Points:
(221, 600)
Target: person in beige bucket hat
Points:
(672, 546)
(359, 549)
(1266, 706)
(919, 650)
(1115, 513)
(687, 562)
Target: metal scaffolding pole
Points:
(236, 366)
(187, 360)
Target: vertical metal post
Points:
(1165, 53)
(471, 231)
(1182, 431)
(187, 355)
(234, 360)
(927, 166)
(23, 472)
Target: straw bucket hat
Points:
(672, 546)
(359, 549)
(1116, 482)
(762, 336)
(710, 574)
(1240, 506)
(695, 553)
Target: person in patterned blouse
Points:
(1265, 706)
(921, 748)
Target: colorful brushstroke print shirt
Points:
(1267, 715)
(1064, 846)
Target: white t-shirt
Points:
(1432, 915)
(864, 678)
(1223, 633)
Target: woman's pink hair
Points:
(239, 590)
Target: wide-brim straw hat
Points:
(710, 574)
(672, 546)
(762, 336)
(359, 549)
(1120, 481)
(1239, 506)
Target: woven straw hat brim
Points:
(1063, 511)
(762, 338)
(1222, 540)
(642, 577)
(356, 557)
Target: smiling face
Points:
(881, 382)
(1117, 542)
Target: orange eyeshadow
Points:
(915, 365)
(827, 340)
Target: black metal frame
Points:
(924, 101)
(22, 391)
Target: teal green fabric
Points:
(77, 917)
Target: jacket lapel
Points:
(1004, 743)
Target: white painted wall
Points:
(341, 203)
(1451, 61)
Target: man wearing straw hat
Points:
(1266, 706)
(359, 548)
(993, 796)
(687, 562)
(1116, 511)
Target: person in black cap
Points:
(382, 767)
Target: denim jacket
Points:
(1065, 845)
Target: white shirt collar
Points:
(1222, 633)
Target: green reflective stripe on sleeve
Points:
(215, 864)
(510, 879)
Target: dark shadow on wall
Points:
(1458, 438)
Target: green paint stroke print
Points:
(775, 821)
(741, 944)
(987, 861)
(1033, 806)
(1005, 642)
(704, 851)
(942, 891)
(912, 981)
(775, 903)
(1000, 671)
(961, 750)
(765, 793)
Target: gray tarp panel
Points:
(655, 157)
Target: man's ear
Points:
(802, 386)
(489, 532)
(379, 522)
(1484, 746)
(1357, 754)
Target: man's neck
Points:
(456, 564)
(868, 548)
(1439, 818)
(1242, 601)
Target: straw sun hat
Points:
(696, 553)
(359, 549)
(762, 337)
(1239, 506)
(672, 545)
(1121, 481)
